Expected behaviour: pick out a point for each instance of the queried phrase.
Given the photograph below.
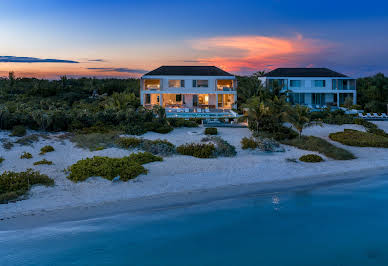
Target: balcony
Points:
(152, 84)
(225, 84)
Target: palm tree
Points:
(256, 111)
(299, 117)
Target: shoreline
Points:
(182, 199)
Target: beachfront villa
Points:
(190, 91)
(314, 87)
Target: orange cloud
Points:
(252, 53)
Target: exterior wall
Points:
(188, 90)
(308, 87)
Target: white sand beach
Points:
(176, 174)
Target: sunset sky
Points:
(101, 38)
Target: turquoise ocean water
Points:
(344, 224)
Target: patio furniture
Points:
(376, 115)
(199, 110)
(187, 110)
(207, 110)
(368, 115)
(384, 115)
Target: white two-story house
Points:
(189, 90)
(314, 87)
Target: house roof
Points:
(304, 72)
(188, 71)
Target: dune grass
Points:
(95, 141)
(360, 139)
(311, 143)
(127, 167)
(14, 185)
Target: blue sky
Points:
(239, 36)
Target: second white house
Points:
(314, 87)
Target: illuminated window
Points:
(200, 83)
(176, 83)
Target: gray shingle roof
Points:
(304, 72)
(188, 71)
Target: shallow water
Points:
(345, 224)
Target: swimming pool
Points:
(199, 115)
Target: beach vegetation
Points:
(28, 140)
(44, 161)
(13, 185)
(18, 131)
(26, 155)
(248, 143)
(261, 143)
(127, 167)
(311, 158)
(299, 117)
(370, 127)
(312, 143)
(360, 139)
(1, 160)
(7, 144)
(199, 150)
(46, 149)
(181, 122)
(157, 147)
(211, 131)
(95, 141)
(222, 147)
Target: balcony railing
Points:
(225, 88)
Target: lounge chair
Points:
(207, 110)
(187, 110)
(384, 115)
(375, 115)
(368, 115)
(199, 110)
(360, 115)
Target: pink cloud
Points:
(252, 53)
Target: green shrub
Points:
(158, 146)
(223, 148)
(13, 185)
(1, 159)
(370, 127)
(181, 122)
(129, 142)
(197, 150)
(44, 161)
(211, 131)
(127, 167)
(311, 143)
(311, 158)
(144, 157)
(7, 145)
(161, 147)
(94, 141)
(46, 149)
(163, 129)
(26, 155)
(360, 139)
(18, 131)
(28, 140)
(248, 143)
